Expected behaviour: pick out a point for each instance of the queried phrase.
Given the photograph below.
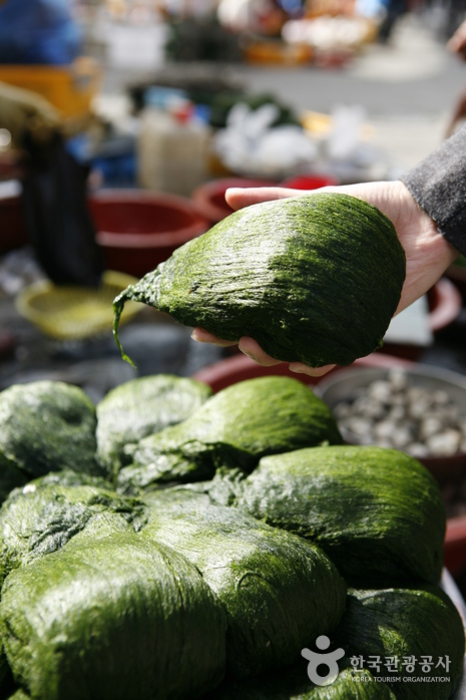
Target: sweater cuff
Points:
(438, 184)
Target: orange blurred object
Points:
(317, 8)
(274, 51)
(68, 88)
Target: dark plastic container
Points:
(12, 229)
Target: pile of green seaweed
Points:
(171, 544)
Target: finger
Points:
(252, 349)
(457, 46)
(240, 197)
(203, 336)
(301, 368)
(453, 44)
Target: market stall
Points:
(190, 523)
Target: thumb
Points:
(239, 197)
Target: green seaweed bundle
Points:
(234, 428)
(417, 630)
(40, 518)
(377, 512)
(278, 591)
(142, 407)
(299, 275)
(19, 695)
(112, 619)
(67, 477)
(212, 588)
(44, 426)
(293, 684)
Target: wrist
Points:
(428, 253)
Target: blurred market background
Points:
(122, 123)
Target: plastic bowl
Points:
(443, 469)
(240, 367)
(445, 304)
(137, 229)
(337, 388)
(210, 196)
(75, 313)
(457, 274)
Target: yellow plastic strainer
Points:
(75, 313)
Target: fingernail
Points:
(320, 371)
(194, 335)
(250, 355)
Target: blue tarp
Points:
(38, 32)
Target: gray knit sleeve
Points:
(438, 184)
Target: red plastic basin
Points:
(309, 182)
(240, 367)
(137, 230)
(445, 304)
(455, 546)
(210, 196)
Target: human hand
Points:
(428, 254)
(458, 115)
(26, 114)
(457, 43)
